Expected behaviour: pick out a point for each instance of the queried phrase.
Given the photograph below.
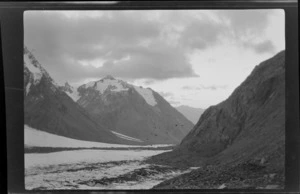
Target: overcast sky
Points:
(191, 57)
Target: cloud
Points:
(166, 94)
(200, 34)
(157, 61)
(248, 27)
(149, 81)
(202, 87)
(173, 102)
(246, 22)
(187, 88)
(65, 43)
(151, 45)
(262, 47)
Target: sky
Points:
(191, 57)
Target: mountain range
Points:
(108, 110)
(132, 110)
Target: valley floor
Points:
(95, 169)
(54, 162)
(64, 163)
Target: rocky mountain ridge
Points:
(108, 110)
(48, 108)
(133, 110)
(242, 136)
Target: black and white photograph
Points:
(154, 99)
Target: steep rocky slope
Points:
(134, 111)
(191, 113)
(48, 108)
(239, 142)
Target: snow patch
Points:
(126, 137)
(102, 85)
(74, 94)
(115, 85)
(28, 87)
(147, 94)
(90, 84)
(36, 72)
(37, 138)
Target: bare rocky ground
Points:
(248, 175)
(133, 176)
(258, 173)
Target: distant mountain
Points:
(47, 107)
(245, 134)
(192, 114)
(70, 90)
(132, 110)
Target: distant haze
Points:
(191, 57)
(192, 114)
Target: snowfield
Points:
(147, 95)
(89, 156)
(126, 137)
(105, 83)
(74, 94)
(37, 138)
(116, 85)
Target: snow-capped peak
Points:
(68, 88)
(108, 82)
(109, 77)
(67, 85)
(71, 91)
(33, 66)
(36, 70)
(116, 85)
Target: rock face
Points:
(251, 118)
(134, 111)
(247, 127)
(48, 108)
(70, 90)
(192, 114)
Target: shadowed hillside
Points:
(241, 137)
